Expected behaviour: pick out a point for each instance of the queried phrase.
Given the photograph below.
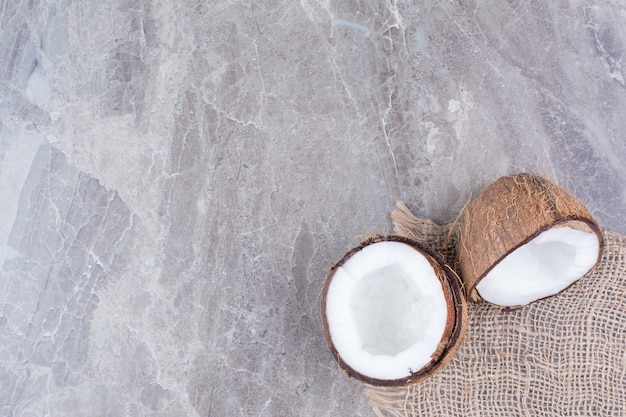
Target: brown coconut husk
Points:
(508, 214)
(456, 324)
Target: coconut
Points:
(524, 238)
(393, 312)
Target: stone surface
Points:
(176, 177)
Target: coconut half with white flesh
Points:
(393, 312)
(523, 239)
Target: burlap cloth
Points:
(563, 356)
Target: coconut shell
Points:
(456, 324)
(508, 214)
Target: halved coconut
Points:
(393, 312)
(523, 239)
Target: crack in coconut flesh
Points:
(525, 238)
(387, 312)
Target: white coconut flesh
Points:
(386, 311)
(545, 266)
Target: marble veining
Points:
(177, 176)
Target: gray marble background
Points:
(175, 177)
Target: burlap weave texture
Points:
(563, 356)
